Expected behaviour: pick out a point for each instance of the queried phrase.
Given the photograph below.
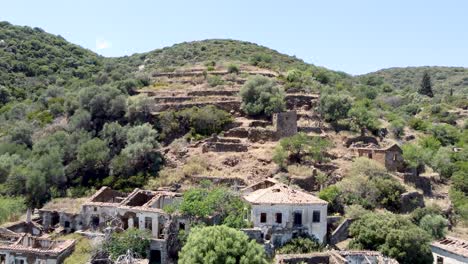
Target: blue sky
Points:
(352, 36)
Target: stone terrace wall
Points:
(285, 123)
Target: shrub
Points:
(446, 134)
(206, 120)
(204, 202)
(215, 80)
(334, 107)
(232, 68)
(434, 225)
(260, 96)
(11, 208)
(301, 147)
(393, 235)
(300, 245)
(135, 240)
(83, 249)
(220, 244)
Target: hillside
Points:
(443, 78)
(32, 59)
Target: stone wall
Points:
(410, 201)
(341, 233)
(257, 134)
(254, 233)
(285, 123)
(224, 147)
(419, 182)
(238, 132)
(314, 258)
(304, 101)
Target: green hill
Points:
(443, 78)
(32, 59)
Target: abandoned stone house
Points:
(22, 248)
(450, 250)
(391, 156)
(140, 209)
(282, 212)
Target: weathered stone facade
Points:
(285, 123)
(28, 249)
(140, 209)
(391, 157)
(282, 212)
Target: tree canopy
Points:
(220, 244)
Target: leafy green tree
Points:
(115, 136)
(300, 245)
(363, 117)
(442, 162)
(22, 133)
(419, 213)
(139, 109)
(434, 225)
(398, 127)
(81, 119)
(370, 186)
(93, 155)
(408, 246)
(301, 147)
(331, 194)
(446, 134)
(334, 107)
(460, 180)
(135, 240)
(261, 96)
(205, 120)
(7, 163)
(220, 244)
(204, 202)
(414, 155)
(393, 235)
(426, 85)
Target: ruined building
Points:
(21, 248)
(141, 209)
(390, 156)
(450, 250)
(282, 212)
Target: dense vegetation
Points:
(445, 79)
(368, 185)
(221, 244)
(199, 203)
(393, 235)
(70, 124)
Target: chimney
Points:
(28, 216)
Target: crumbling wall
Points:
(254, 233)
(285, 123)
(341, 233)
(419, 182)
(363, 139)
(410, 201)
(224, 147)
(304, 101)
(238, 132)
(257, 134)
(394, 160)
